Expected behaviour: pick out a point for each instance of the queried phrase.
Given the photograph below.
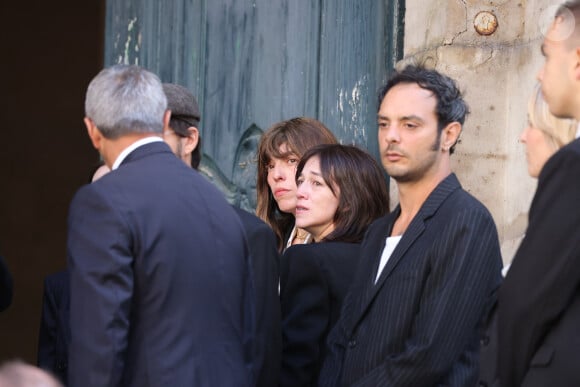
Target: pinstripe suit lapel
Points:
(376, 249)
(414, 231)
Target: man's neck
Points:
(113, 148)
(412, 196)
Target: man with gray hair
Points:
(161, 290)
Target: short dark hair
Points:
(180, 127)
(451, 107)
(364, 195)
(184, 114)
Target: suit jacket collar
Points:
(415, 229)
(145, 150)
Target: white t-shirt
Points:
(392, 242)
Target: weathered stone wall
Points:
(497, 73)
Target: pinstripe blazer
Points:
(420, 324)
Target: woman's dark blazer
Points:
(314, 279)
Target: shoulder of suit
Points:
(569, 152)
(460, 199)
(573, 146)
(561, 170)
(250, 218)
(252, 224)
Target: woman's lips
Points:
(301, 209)
(280, 192)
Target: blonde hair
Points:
(558, 131)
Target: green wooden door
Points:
(251, 63)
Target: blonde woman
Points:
(545, 134)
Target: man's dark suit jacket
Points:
(420, 324)
(539, 315)
(6, 285)
(159, 279)
(54, 334)
(313, 283)
(488, 372)
(265, 263)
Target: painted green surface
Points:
(253, 63)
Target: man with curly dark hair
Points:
(429, 269)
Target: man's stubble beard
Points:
(417, 174)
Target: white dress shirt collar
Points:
(132, 147)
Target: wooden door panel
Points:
(253, 63)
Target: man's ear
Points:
(192, 140)
(94, 133)
(450, 135)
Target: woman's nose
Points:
(278, 173)
(301, 192)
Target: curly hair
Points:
(450, 107)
